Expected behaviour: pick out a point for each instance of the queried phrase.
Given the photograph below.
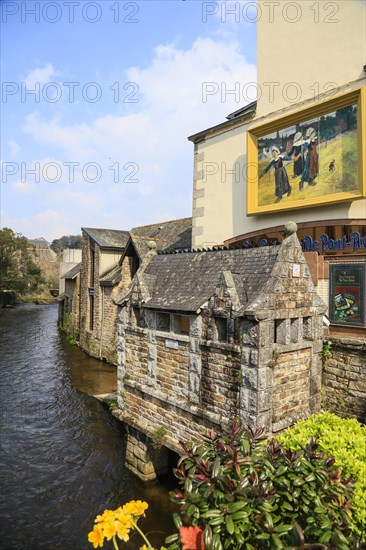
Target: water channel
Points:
(62, 452)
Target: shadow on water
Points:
(62, 452)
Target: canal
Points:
(62, 452)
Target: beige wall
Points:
(313, 56)
(107, 259)
(306, 48)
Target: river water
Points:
(62, 452)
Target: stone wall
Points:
(72, 289)
(221, 379)
(108, 328)
(344, 378)
(291, 385)
(101, 340)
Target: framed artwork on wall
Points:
(347, 294)
(312, 157)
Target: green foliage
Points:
(345, 440)
(244, 494)
(67, 241)
(74, 337)
(17, 270)
(112, 404)
(326, 352)
(157, 437)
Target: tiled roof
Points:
(108, 238)
(71, 274)
(171, 235)
(112, 276)
(185, 281)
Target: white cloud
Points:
(154, 138)
(41, 75)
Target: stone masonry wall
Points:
(220, 381)
(291, 385)
(90, 339)
(109, 328)
(344, 378)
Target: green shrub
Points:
(247, 495)
(345, 440)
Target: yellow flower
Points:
(96, 536)
(135, 507)
(109, 529)
(106, 516)
(123, 531)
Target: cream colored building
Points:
(307, 52)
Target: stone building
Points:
(69, 300)
(103, 269)
(282, 104)
(101, 251)
(208, 335)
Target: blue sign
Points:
(325, 243)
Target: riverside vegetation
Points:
(303, 490)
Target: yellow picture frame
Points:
(279, 191)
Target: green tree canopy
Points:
(17, 269)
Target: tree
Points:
(66, 241)
(17, 269)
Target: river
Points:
(62, 452)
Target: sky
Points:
(98, 99)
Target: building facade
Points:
(204, 337)
(316, 95)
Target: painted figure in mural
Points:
(311, 166)
(297, 151)
(282, 185)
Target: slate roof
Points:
(241, 115)
(184, 282)
(72, 273)
(171, 235)
(108, 238)
(112, 276)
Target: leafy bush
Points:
(243, 494)
(345, 440)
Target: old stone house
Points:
(101, 251)
(103, 268)
(209, 335)
(69, 300)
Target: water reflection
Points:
(62, 453)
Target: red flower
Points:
(192, 538)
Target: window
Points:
(221, 329)
(91, 312)
(137, 318)
(181, 324)
(307, 328)
(92, 266)
(163, 322)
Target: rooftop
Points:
(184, 282)
(108, 238)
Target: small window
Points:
(181, 324)
(307, 328)
(221, 329)
(163, 322)
(137, 317)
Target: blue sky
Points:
(117, 88)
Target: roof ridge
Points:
(160, 223)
